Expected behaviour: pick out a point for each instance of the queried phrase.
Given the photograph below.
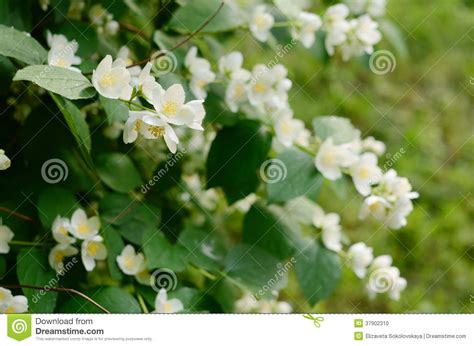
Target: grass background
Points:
(424, 109)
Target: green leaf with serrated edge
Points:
(160, 253)
(235, 158)
(33, 269)
(294, 175)
(77, 124)
(267, 230)
(118, 172)
(54, 201)
(340, 129)
(21, 46)
(70, 84)
(318, 270)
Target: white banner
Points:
(234, 329)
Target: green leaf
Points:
(254, 268)
(118, 172)
(267, 230)
(318, 271)
(295, 176)
(192, 299)
(3, 266)
(33, 269)
(114, 245)
(55, 201)
(160, 253)
(129, 217)
(217, 111)
(340, 129)
(394, 36)
(191, 16)
(21, 46)
(114, 109)
(114, 299)
(203, 249)
(70, 84)
(77, 124)
(235, 158)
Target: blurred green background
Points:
(424, 109)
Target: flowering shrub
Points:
(188, 184)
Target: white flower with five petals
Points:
(130, 262)
(111, 79)
(83, 227)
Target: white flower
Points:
(249, 304)
(379, 262)
(260, 23)
(171, 107)
(111, 79)
(201, 73)
(112, 27)
(57, 255)
(288, 129)
(331, 158)
(236, 94)
(373, 145)
(365, 173)
(306, 26)
(62, 52)
(83, 227)
(230, 65)
(129, 262)
(147, 83)
(375, 8)
(6, 235)
(165, 306)
(386, 278)
(375, 205)
(12, 304)
(331, 230)
(150, 126)
(269, 84)
(124, 54)
(91, 250)
(360, 256)
(362, 35)
(61, 230)
(4, 161)
(336, 26)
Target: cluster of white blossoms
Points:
(66, 232)
(248, 304)
(388, 197)
(112, 79)
(351, 36)
(4, 160)
(134, 264)
(6, 235)
(62, 51)
(103, 20)
(201, 74)
(383, 277)
(10, 304)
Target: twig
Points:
(134, 29)
(61, 289)
(18, 215)
(189, 37)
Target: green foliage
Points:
(21, 46)
(118, 172)
(340, 129)
(33, 269)
(248, 142)
(70, 84)
(170, 256)
(54, 201)
(298, 178)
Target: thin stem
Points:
(25, 243)
(137, 105)
(134, 29)
(303, 148)
(181, 43)
(18, 215)
(61, 289)
(141, 301)
(206, 273)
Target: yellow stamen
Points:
(157, 131)
(170, 108)
(260, 87)
(107, 80)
